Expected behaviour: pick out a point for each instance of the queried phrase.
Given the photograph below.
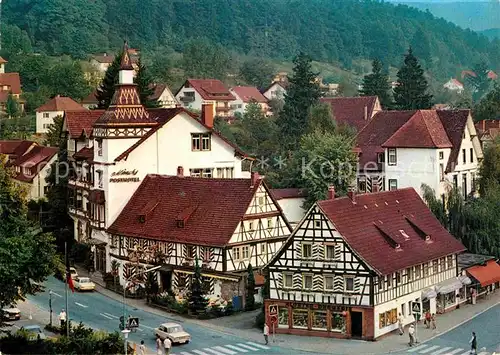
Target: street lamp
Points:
(125, 336)
(50, 303)
(125, 286)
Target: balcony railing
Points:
(222, 108)
(187, 99)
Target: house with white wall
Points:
(400, 149)
(196, 92)
(163, 95)
(291, 201)
(244, 95)
(56, 106)
(355, 263)
(275, 91)
(454, 85)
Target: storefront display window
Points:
(338, 322)
(449, 299)
(300, 318)
(319, 320)
(283, 317)
(388, 318)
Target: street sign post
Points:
(273, 313)
(133, 322)
(273, 309)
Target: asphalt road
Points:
(100, 312)
(456, 341)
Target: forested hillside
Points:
(331, 31)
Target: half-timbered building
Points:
(225, 224)
(354, 263)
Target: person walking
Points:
(167, 344)
(427, 319)
(411, 333)
(433, 321)
(159, 345)
(62, 318)
(266, 333)
(473, 344)
(401, 325)
(142, 348)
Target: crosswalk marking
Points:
(199, 352)
(241, 350)
(483, 353)
(453, 352)
(247, 347)
(185, 353)
(440, 351)
(420, 347)
(258, 345)
(429, 349)
(213, 351)
(220, 348)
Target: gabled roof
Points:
(454, 123)
(158, 91)
(485, 125)
(12, 80)
(280, 194)
(15, 148)
(60, 103)
(284, 86)
(80, 123)
(249, 93)
(85, 153)
(210, 89)
(352, 111)
(3, 61)
(91, 98)
(209, 208)
(372, 228)
(35, 160)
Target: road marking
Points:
(56, 294)
(236, 348)
(440, 351)
(112, 316)
(213, 351)
(247, 347)
(258, 345)
(483, 353)
(199, 352)
(143, 325)
(105, 316)
(417, 348)
(81, 305)
(429, 349)
(185, 353)
(454, 352)
(220, 348)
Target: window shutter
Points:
(357, 284)
(298, 250)
(338, 251)
(316, 251)
(338, 284)
(280, 281)
(297, 281)
(318, 282)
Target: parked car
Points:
(174, 332)
(34, 332)
(83, 284)
(73, 272)
(11, 313)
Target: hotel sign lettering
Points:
(319, 306)
(124, 175)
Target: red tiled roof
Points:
(13, 81)
(364, 223)
(249, 93)
(492, 75)
(158, 90)
(485, 125)
(289, 193)
(2, 61)
(85, 154)
(216, 207)
(423, 130)
(91, 98)
(15, 148)
(351, 110)
(60, 103)
(454, 123)
(80, 123)
(35, 159)
(210, 89)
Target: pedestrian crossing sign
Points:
(273, 309)
(416, 307)
(133, 322)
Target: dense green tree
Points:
(250, 298)
(478, 83)
(489, 106)
(145, 86)
(321, 118)
(411, 91)
(196, 300)
(302, 93)
(32, 68)
(377, 84)
(203, 59)
(67, 78)
(12, 107)
(15, 40)
(421, 46)
(26, 254)
(54, 132)
(490, 168)
(347, 88)
(106, 90)
(257, 72)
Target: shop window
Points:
(299, 318)
(388, 318)
(319, 320)
(283, 317)
(338, 321)
(181, 281)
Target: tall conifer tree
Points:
(250, 298)
(106, 90)
(144, 82)
(410, 92)
(377, 84)
(197, 302)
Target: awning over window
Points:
(465, 280)
(449, 286)
(487, 274)
(428, 293)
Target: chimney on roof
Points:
(255, 178)
(366, 113)
(207, 115)
(180, 171)
(331, 192)
(351, 195)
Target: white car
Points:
(73, 273)
(174, 332)
(11, 313)
(83, 284)
(34, 332)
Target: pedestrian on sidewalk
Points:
(411, 333)
(428, 319)
(266, 333)
(62, 319)
(167, 344)
(159, 345)
(142, 348)
(433, 321)
(401, 325)
(473, 344)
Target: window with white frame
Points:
(288, 280)
(46, 115)
(306, 250)
(393, 184)
(261, 201)
(307, 282)
(245, 252)
(236, 254)
(203, 173)
(270, 223)
(263, 248)
(348, 283)
(99, 178)
(392, 156)
(381, 283)
(449, 261)
(409, 273)
(328, 282)
(330, 252)
(99, 147)
(200, 141)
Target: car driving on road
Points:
(34, 332)
(11, 313)
(83, 284)
(174, 332)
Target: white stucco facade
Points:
(275, 91)
(292, 208)
(44, 119)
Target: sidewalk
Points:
(241, 325)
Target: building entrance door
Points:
(166, 280)
(356, 324)
(100, 258)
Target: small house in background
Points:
(276, 91)
(454, 85)
(291, 201)
(355, 112)
(56, 106)
(196, 92)
(102, 61)
(487, 131)
(245, 95)
(163, 96)
(10, 83)
(90, 101)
